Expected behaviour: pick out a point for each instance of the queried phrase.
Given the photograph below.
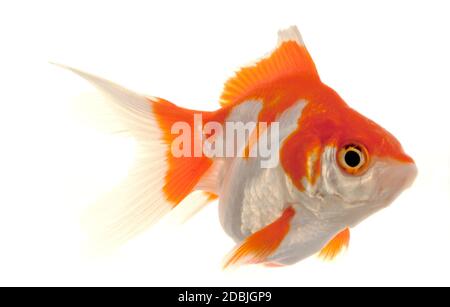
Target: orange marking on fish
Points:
(176, 186)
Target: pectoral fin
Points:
(336, 245)
(260, 245)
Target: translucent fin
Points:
(144, 195)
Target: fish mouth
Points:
(396, 178)
(412, 172)
(399, 178)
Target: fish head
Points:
(344, 162)
(364, 170)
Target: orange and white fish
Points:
(335, 167)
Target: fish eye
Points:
(353, 158)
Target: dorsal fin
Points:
(290, 58)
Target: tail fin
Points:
(158, 181)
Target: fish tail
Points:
(159, 180)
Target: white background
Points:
(387, 59)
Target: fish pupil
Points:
(352, 158)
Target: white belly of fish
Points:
(251, 196)
(253, 199)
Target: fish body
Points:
(331, 167)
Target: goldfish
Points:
(327, 167)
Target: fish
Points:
(330, 167)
